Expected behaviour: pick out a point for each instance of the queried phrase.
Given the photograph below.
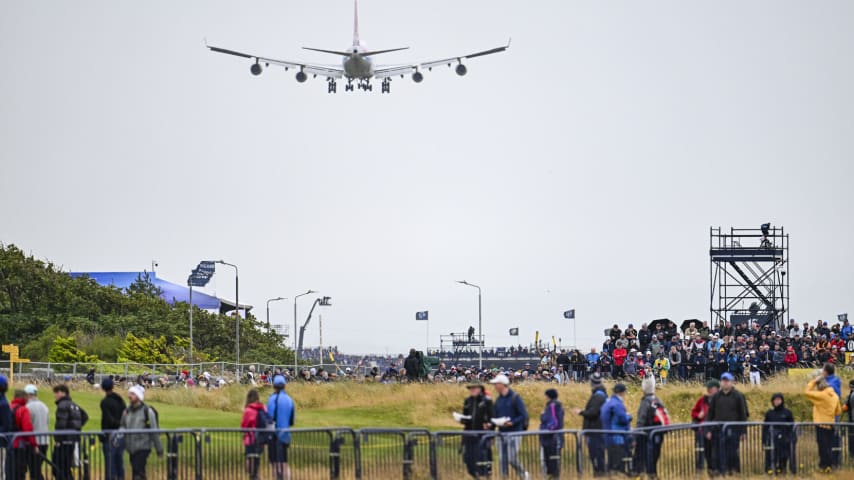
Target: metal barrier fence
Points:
(675, 451)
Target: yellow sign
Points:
(13, 352)
(803, 372)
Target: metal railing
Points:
(675, 451)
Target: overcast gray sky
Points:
(581, 169)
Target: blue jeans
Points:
(114, 466)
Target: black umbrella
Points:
(665, 323)
(687, 323)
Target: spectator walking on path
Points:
(552, 443)
(848, 408)
(614, 417)
(280, 407)
(252, 444)
(412, 365)
(591, 421)
(478, 412)
(22, 447)
(778, 439)
(69, 417)
(139, 416)
(40, 415)
(699, 414)
(825, 409)
(112, 408)
(6, 422)
(728, 405)
(509, 405)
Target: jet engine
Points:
(417, 77)
(461, 70)
(301, 76)
(255, 69)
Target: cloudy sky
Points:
(582, 168)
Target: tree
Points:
(144, 286)
(64, 350)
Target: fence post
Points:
(408, 455)
(172, 455)
(579, 453)
(335, 442)
(357, 455)
(434, 466)
(198, 439)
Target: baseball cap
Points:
(31, 389)
(619, 388)
(279, 381)
(727, 376)
(500, 378)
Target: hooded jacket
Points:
(614, 417)
(481, 409)
(781, 414)
(592, 411)
(552, 419)
(112, 409)
(23, 423)
(134, 419)
(825, 403)
(250, 421)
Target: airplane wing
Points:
(451, 60)
(385, 72)
(327, 71)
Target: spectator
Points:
(728, 405)
(69, 416)
(139, 416)
(848, 408)
(619, 360)
(647, 412)
(252, 445)
(412, 365)
(751, 364)
(615, 418)
(825, 409)
(662, 367)
(6, 421)
(591, 421)
(22, 447)
(552, 420)
(39, 415)
(280, 407)
(112, 409)
(510, 405)
(778, 439)
(699, 414)
(478, 411)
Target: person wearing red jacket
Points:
(619, 360)
(23, 447)
(250, 420)
(791, 358)
(698, 415)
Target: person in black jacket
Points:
(69, 417)
(551, 443)
(412, 364)
(478, 410)
(112, 408)
(728, 405)
(595, 441)
(778, 439)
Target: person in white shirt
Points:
(40, 415)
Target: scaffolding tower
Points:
(748, 275)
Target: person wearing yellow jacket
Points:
(825, 408)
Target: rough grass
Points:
(417, 406)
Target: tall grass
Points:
(430, 406)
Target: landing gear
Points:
(366, 86)
(349, 86)
(386, 86)
(333, 87)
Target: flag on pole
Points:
(842, 317)
(514, 332)
(421, 315)
(569, 314)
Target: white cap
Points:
(500, 378)
(31, 389)
(138, 391)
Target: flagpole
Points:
(427, 339)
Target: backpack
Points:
(659, 415)
(526, 419)
(266, 428)
(145, 409)
(78, 417)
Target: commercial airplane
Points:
(357, 64)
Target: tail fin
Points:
(356, 23)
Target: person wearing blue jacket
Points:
(614, 417)
(551, 443)
(510, 405)
(281, 410)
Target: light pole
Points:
(268, 308)
(237, 310)
(296, 352)
(479, 321)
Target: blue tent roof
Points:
(171, 292)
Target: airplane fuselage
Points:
(356, 66)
